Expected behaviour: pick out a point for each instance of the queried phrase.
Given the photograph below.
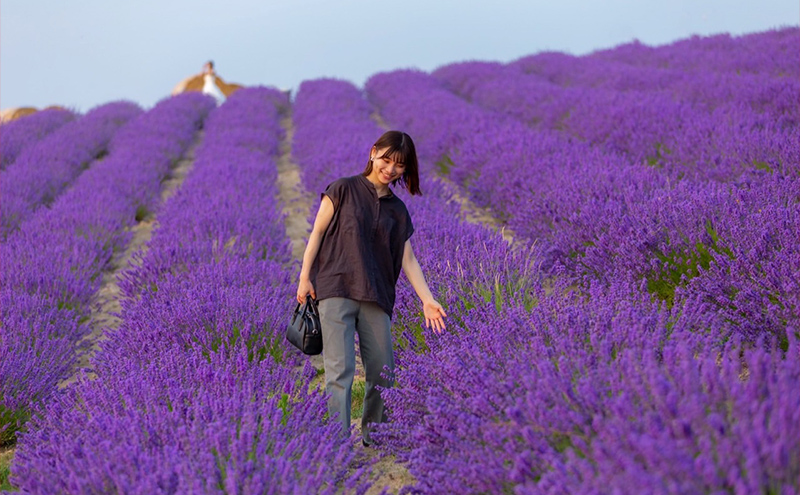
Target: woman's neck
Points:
(380, 188)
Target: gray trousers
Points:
(341, 318)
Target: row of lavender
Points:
(772, 52)
(17, 135)
(51, 266)
(196, 392)
(699, 122)
(701, 125)
(44, 170)
(538, 391)
(606, 216)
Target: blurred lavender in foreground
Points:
(17, 135)
(43, 170)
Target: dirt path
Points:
(475, 214)
(6, 456)
(472, 213)
(108, 295)
(297, 203)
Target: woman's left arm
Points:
(434, 313)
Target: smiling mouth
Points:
(388, 177)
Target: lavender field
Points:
(614, 238)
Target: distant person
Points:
(359, 243)
(210, 84)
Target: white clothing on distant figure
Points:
(210, 88)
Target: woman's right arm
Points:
(324, 216)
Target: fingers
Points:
(434, 317)
(436, 323)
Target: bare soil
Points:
(6, 456)
(378, 119)
(297, 203)
(476, 214)
(296, 200)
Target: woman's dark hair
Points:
(401, 149)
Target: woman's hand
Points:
(304, 288)
(434, 315)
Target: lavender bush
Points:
(186, 423)
(603, 211)
(593, 395)
(17, 135)
(197, 390)
(42, 171)
(586, 390)
(641, 335)
(720, 53)
(51, 266)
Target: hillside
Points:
(613, 236)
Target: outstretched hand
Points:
(434, 316)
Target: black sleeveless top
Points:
(361, 252)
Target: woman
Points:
(210, 83)
(359, 243)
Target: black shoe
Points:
(365, 444)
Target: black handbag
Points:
(304, 330)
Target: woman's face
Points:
(385, 169)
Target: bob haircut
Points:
(402, 150)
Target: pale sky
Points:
(82, 53)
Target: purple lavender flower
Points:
(17, 135)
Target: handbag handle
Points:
(295, 313)
(312, 304)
